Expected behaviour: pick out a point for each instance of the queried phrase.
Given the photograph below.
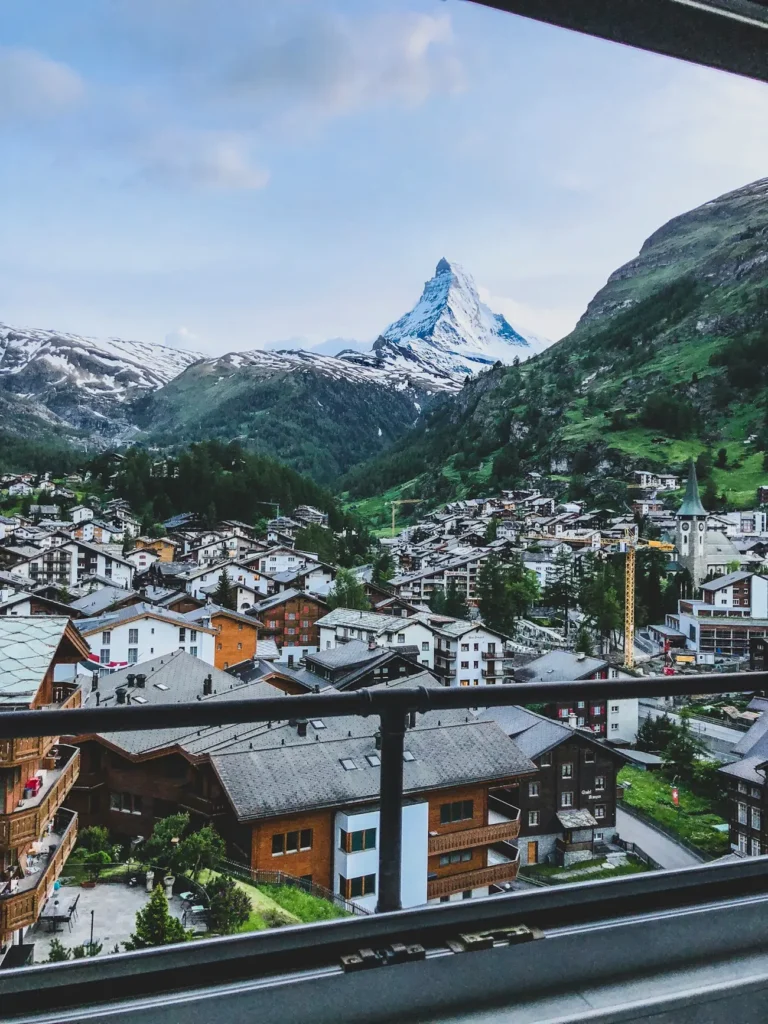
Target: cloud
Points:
(329, 66)
(551, 323)
(31, 85)
(211, 159)
(182, 338)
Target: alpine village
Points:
(273, 524)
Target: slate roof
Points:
(102, 599)
(372, 621)
(755, 741)
(27, 647)
(560, 666)
(725, 581)
(576, 819)
(180, 672)
(285, 595)
(135, 611)
(199, 614)
(449, 749)
(746, 769)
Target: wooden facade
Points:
(293, 622)
(236, 639)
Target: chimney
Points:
(120, 694)
(207, 685)
(572, 720)
(301, 727)
(94, 681)
(141, 680)
(580, 656)
(131, 678)
(372, 645)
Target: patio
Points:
(114, 905)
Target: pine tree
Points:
(229, 906)
(347, 592)
(225, 594)
(560, 591)
(155, 926)
(583, 641)
(455, 603)
(437, 601)
(383, 568)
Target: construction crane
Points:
(402, 501)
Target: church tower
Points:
(691, 530)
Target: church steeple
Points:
(691, 505)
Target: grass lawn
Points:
(262, 904)
(548, 872)
(301, 905)
(694, 821)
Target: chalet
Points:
(748, 789)
(309, 515)
(199, 581)
(81, 513)
(141, 558)
(280, 559)
(236, 634)
(67, 563)
(242, 779)
(351, 666)
(36, 775)
(164, 547)
(95, 531)
(316, 577)
(465, 653)
(25, 604)
(290, 619)
(570, 803)
(127, 636)
(344, 624)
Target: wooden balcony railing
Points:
(14, 752)
(492, 655)
(23, 908)
(473, 879)
(470, 837)
(27, 823)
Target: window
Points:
(218, 647)
(614, 726)
(182, 634)
(566, 798)
(566, 771)
(373, 760)
(465, 647)
(106, 637)
(352, 888)
(133, 655)
(408, 756)
(317, 723)
(755, 818)
(104, 656)
(355, 842)
(465, 664)
(545, 761)
(347, 764)
(239, 647)
(580, 704)
(581, 720)
(460, 810)
(127, 803)
(272, 624)
(133, 636)
(475, 647)
(742, 843)
(459, 857)
(599, 811)
(615, 709)
(304, 624)
(755, 848)
(533, 817)
(742, 814)
(597, 709)
(400, 640)
(599, 782)
(533, 789)
(193, 635)
(425, 645)
(742, 787)
(755, 792)
(291, 616)
(193, 651)
(291, 842)
(467, 894)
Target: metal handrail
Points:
(391, 705)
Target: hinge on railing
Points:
(470, 942)
(395, 953)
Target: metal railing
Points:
(392, 706)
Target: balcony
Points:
(22, 906)
(470, 837)
(491, 673)
(480, 877)
(27, 822)
(492, 655)
(14, 752)
(501, 806)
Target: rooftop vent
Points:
(131, 678)
(120, 694)
(208, 685)
(301, 727)
(141, 680)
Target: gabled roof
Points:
(536, 734)
(560, 666)
(725, 581)
(135, 611)
(282, 597)
(28, 645)
(102, 599)
(210, 609)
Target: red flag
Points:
(675, 796)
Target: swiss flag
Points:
(675, 796)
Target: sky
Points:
(232, 174)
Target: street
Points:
(663, 850)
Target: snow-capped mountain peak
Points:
(451, 329)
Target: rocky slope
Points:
(74, 382)
(667, 361)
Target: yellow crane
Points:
(402, 501)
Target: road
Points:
(720, 739)
(664, 851)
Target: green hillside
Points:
(668, 361)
